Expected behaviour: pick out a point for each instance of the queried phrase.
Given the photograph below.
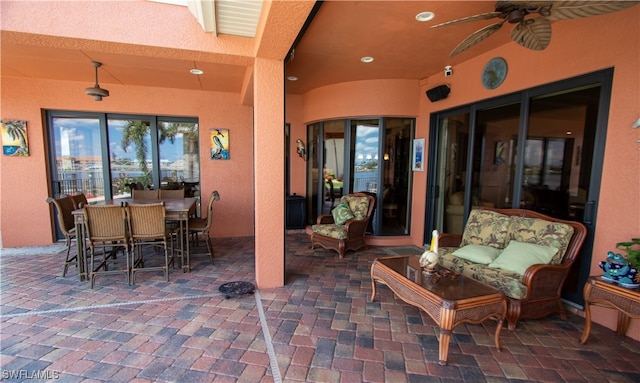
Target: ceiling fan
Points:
(96, 92)
(535, 32)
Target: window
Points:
(101, 155)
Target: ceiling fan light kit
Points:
(532, 33)
(96, 92)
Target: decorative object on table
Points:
(417, 164)
(620, 269)
(14, 138)
(236, 288)
(494, 73)
(429, 259)
(617, 269)
(219, 143)
(302, 151)
(532, 32)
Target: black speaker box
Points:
(438, 93)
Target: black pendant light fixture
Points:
(96, 92)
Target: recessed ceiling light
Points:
(196, 71)
(425, 16)
(292, 78)
(367, 59)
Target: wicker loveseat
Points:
(344, 229)
(525, 254)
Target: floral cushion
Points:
(487, 228)
(541, 232)
(341, 214)
(358, 205)
(330, 230)
(509, 283)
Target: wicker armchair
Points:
(147, 227)
(64, 208)
(107, 233)
(348, 235)
(203, 225)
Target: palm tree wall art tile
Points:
(14, 138)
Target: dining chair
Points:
(147, 227)
(79, 200)
(64, 209)
(171, 193)
(106, 228)
(203, 225)
(144, 194)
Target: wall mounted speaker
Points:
(438, 93)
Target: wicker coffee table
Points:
(449, 301)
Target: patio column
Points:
(268, 131)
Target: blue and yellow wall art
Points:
(219, 139)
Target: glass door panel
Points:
(365, 163)
(396, 176)
(77, 152)
(333, 164)
(493, 160)
(129, 155)
(450, 173)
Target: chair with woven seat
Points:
(79, 200)
(64, 208)
(203, 225)
(147, 227)
(144, 194)
(171, 193)
(345, 228)
(106, 227)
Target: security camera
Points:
(448, 71)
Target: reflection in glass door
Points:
(333, 164)
(77, 157)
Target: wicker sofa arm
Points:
(356, 227)
(449, 240)
(545, 280)
(324, 219)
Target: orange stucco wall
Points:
(578, 47)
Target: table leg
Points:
(587, 323)
(623, 323)
(186, 230)
(81, 257)
(446, 328)
(497, 335)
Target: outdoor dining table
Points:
(178, 210)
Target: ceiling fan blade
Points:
(532, 33)
(476, 37)
(566, 10)
(482, 16)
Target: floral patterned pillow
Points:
(487, 228)
(358, 205)
(341, 214)
(542, 232)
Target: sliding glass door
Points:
(362, 155)
(539, 150)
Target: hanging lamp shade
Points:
(96, 92)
